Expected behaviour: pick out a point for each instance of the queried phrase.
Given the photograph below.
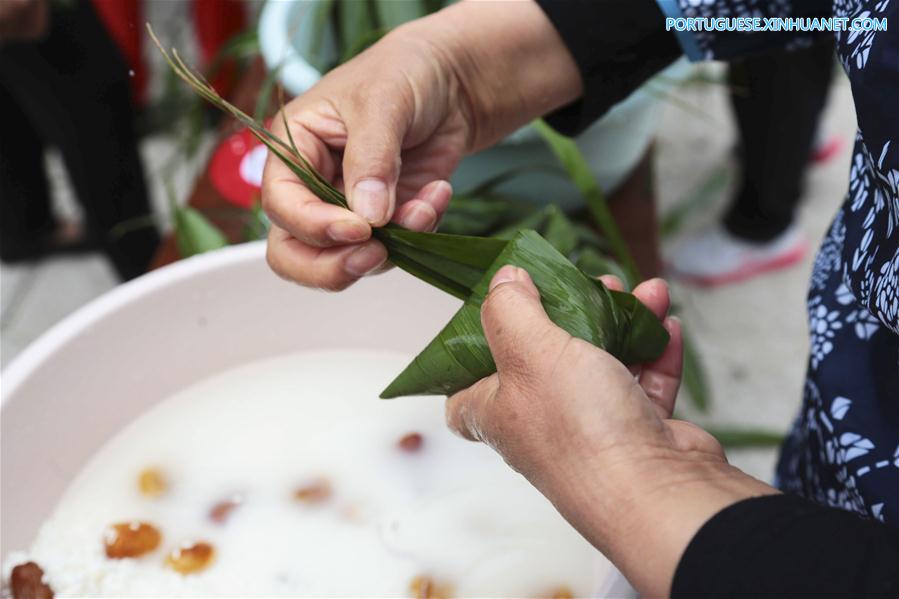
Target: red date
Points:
(190, 559)
(314, 492)
(411, 442)
(131, 539)
(27, 582)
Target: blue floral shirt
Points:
(843, 450)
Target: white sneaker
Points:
(715, 257)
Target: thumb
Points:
(517, 328)
(371, 164)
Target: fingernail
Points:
(441, 187)
(660, 280)
(365, 259)
(348, 231)
(508, 274)
(420, 217)
(370, 200)
(672, 325)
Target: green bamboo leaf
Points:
(194, 234)
(354, 19)
(594, 264)
(435, 5)
(354, 22)
(559, 231)
(257, 224)
(366, 40)
(693, 377)
(535, 221)
(482, 215)
(238, 47)
(321, 22)
(641, 337)
(459, 355)
(453, 263)
(491, 184)
(393, 13)
(135, 224)
(576, 166)
(738, 438)
(262, 107)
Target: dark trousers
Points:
(777, 99)
(70, 90)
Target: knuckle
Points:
(468, 412)
(269, 198)
(332, 280)
(309, 224)
(276, 262)
(453, 412)
(497, 301)
(361, 97)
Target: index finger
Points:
(293, 207)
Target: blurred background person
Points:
(777, 100)
(64, 83)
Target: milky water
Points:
(452, 511)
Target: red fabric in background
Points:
(215, 22)
(125, 22)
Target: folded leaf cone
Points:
(459, 355)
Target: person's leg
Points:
(25, 209)
(74, 86)
(777, 101)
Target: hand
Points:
(390, 126)
(595, 438)
(357, 127)
(22, 20)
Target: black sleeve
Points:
(617, 45)
(786, 546)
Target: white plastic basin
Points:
(104, 365)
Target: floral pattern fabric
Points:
(843, 450)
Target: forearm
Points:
(667, 516)
(509, 61)
(643, 510)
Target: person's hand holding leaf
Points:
(389, 127)
(597, 438)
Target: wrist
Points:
(667, 499)
(509, 64)
(642, 504)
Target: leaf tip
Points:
(390, 392)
